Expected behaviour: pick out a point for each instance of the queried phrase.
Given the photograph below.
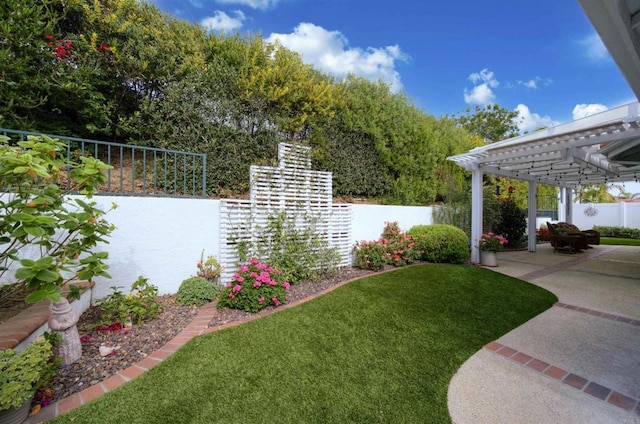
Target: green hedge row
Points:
(618, 232)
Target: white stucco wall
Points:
(368, 220)
(158, 238)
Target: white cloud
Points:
(220, 21)
(482, 93)
(254, 4)
(536, 83)
(583, 110)
(486, 76)
(329, 52)
(594, 48)
(528, 121)
(196, 3)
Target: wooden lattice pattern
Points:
(291, 187)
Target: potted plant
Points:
(21, 374)
(490, 244)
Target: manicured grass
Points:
(619, 241)
(380, 349)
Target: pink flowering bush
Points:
(254, 287)
(490, 242)
(369, 255)
(394, 247)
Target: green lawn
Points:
(381, 349)
(619, 241)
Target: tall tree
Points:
(492, 123)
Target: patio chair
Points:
(566, 240)
(593, 236)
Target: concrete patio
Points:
(579, 361)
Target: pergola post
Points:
(562, 211)
(532, 213)
(568, 202)
(476, 214)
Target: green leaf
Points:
(36, 296)
(25, 274)
(48, 276)
(43, 263)
(35, 231)
(21, 216)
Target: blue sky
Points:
(541, 58)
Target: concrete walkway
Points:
(578, 362)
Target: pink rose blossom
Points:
(275, 301)
(257, 284)
(237, 288)
(231, 296)
(261, 299)
(253, 261)
(240, 279)
(286, 285)
(244, 268)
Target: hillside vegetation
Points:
(121, 70)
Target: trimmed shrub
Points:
(441, 243)
(617, 232)
(196, 291)
(512, 223)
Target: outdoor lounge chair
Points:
(564, 240)
(593, 236)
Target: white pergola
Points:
(601, 148)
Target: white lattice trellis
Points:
(291, 187)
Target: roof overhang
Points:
(617, 22)
(596, 149)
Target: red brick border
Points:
(610, 396)
(599, 314)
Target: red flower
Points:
(104, 47)
(48, 37)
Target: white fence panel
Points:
(291, 188)
(621, 214)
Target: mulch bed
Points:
(139, 341)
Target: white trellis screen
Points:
(291, 187)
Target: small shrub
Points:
(22, 373)
(138, 305)
(394, 247)
(369, 255)
(512, 223)
(196, 291)
(254, 287)
(543, 233)
(209, 269)
(441, 243)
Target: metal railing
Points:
(138, 170)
